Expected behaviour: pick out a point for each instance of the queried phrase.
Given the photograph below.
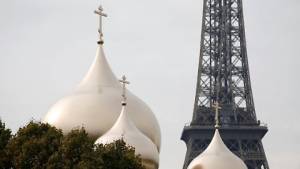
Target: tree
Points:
(117, 155)
(41, 146)
(33, 145)
(5, 136)
(76, 151)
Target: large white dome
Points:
(217, 156)
(94, 105)
(125, 129)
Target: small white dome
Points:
(217, 156)
(125, 129)
(93, 105)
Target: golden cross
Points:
(99, 12)
(217, 107)
(124, 83)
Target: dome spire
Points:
(124, 128)
(99, 12)
(124, 83)
(216, 105)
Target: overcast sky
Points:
(47, 46)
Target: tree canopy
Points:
(76, 151)
(33, 144)
(5, 136)
(41, 146)
(118, 155)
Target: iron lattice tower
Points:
(223, 76)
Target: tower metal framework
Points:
(223, 76)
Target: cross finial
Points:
(124, 83)
(99, 12)
(217, 107)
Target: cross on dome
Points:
(124, 83)
(99, 12)
(216, 103)
(217, 107)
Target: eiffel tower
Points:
(223, 77)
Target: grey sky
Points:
(47, 46)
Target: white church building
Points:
(108, 111)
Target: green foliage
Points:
(76, 151)
(41, 146)
(33, 145)
(118, 155)
(79, 152)
(5, 136)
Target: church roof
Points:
(217, 156)
(125, 129)
(93, 103)
(99, 74)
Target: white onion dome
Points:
(217, 156)
(125, 129)
(93, 105)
